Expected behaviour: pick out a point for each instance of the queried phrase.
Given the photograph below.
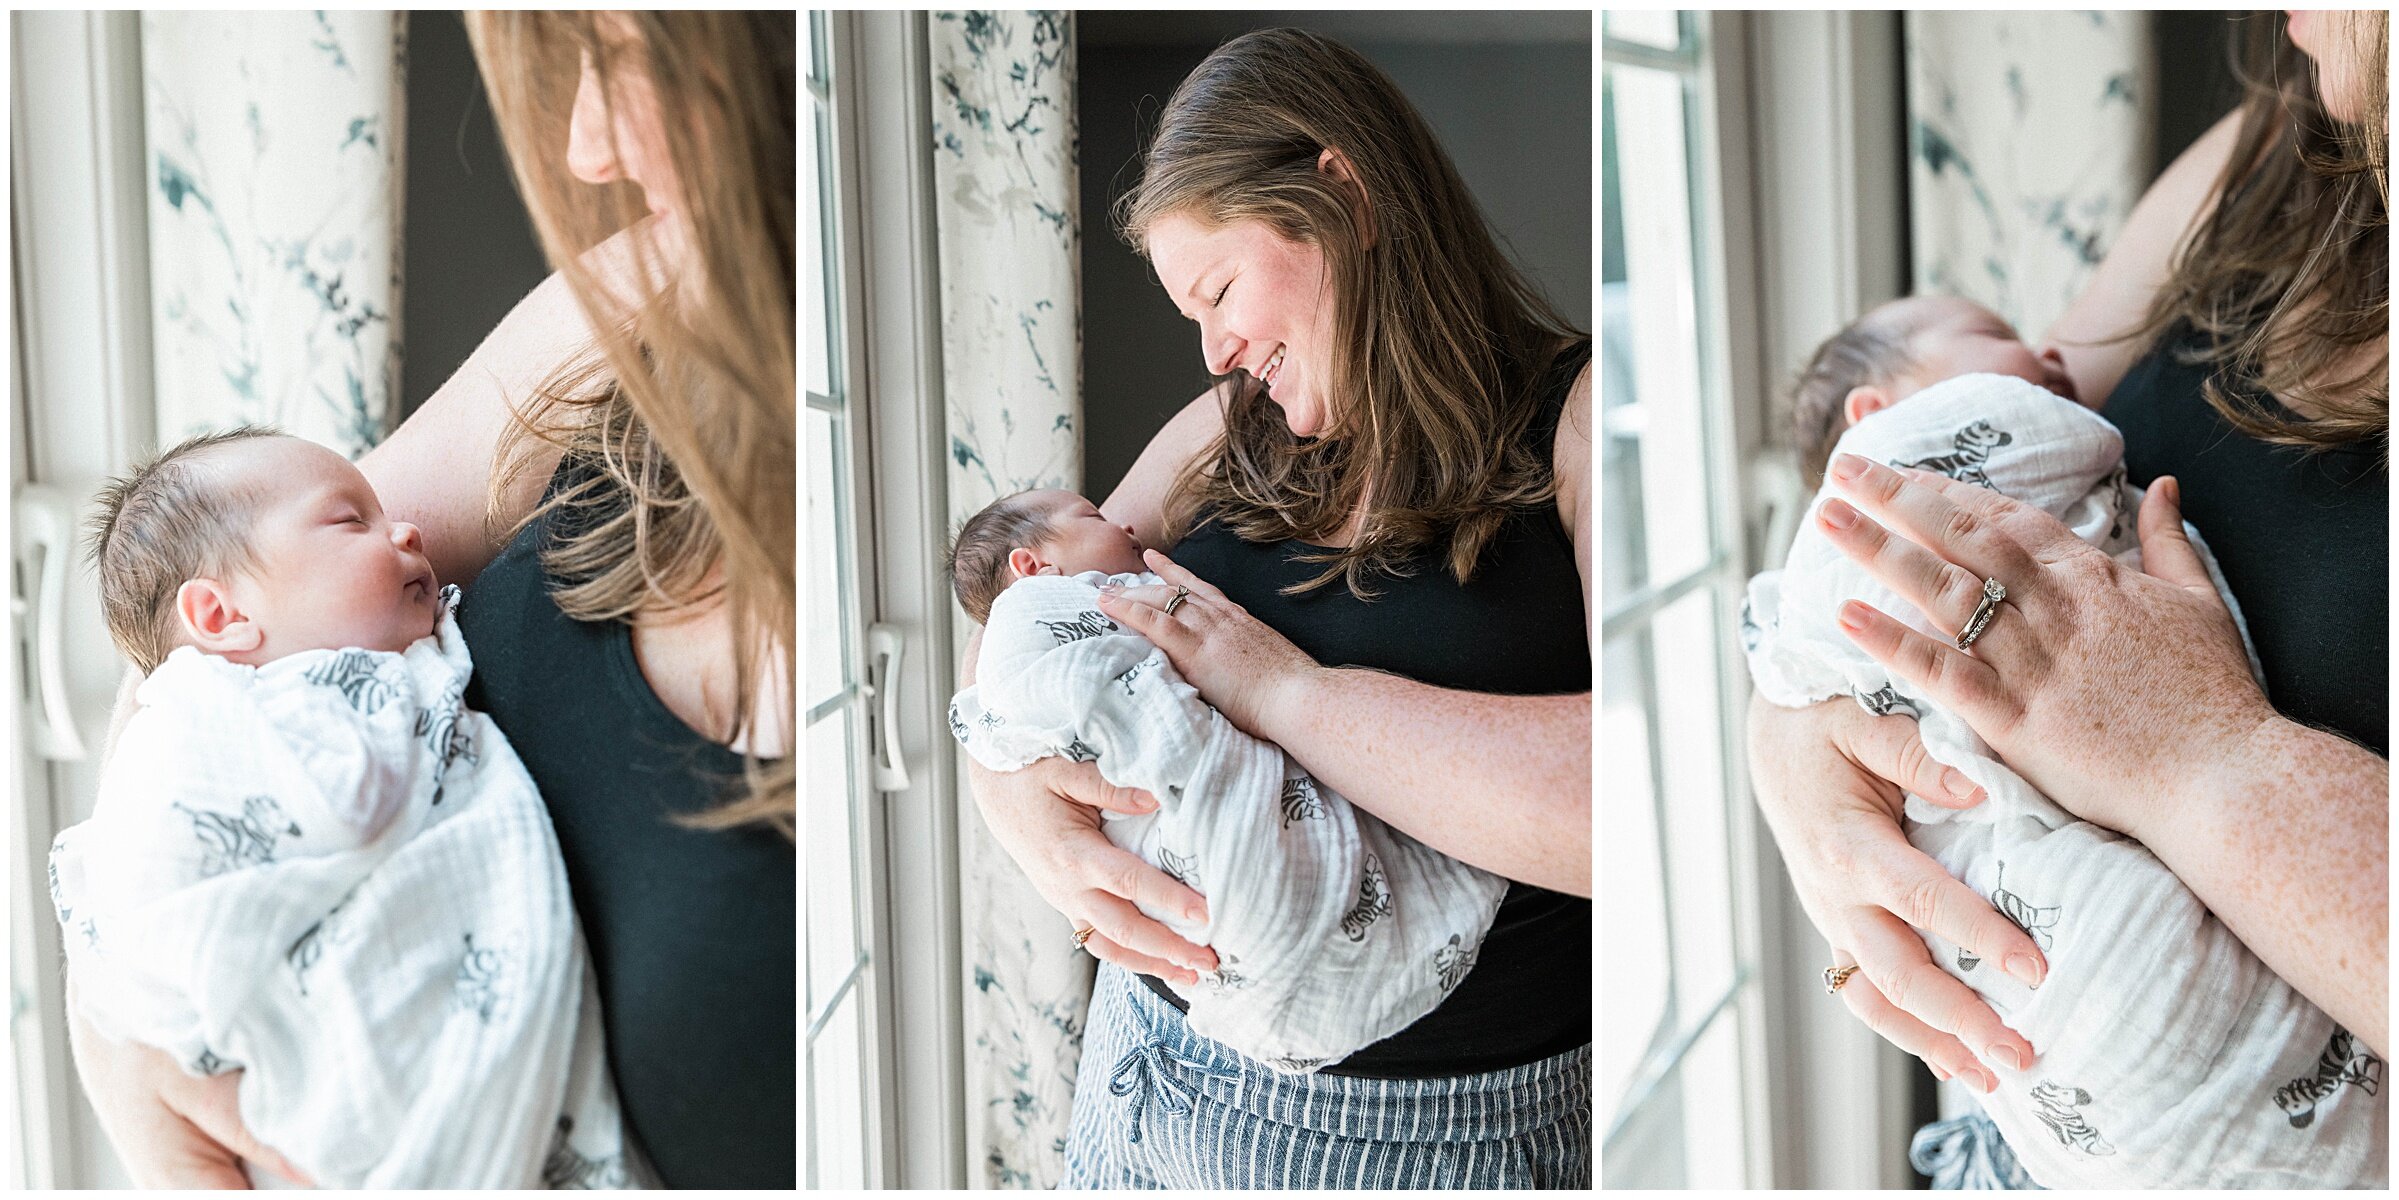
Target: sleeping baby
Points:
(2169, 1056)
(310, 862)
(1332, 930)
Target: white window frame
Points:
(1826, 126)
(898, 421)
(1798, 224)
(81, 410)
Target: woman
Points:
(614, 469)
(1392, 478)
(2238, 332)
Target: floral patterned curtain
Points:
(1010, 235)
(275, 145)
(2029, 142)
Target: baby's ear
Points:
(205, 609)
(1025, 563)
(1864, 401)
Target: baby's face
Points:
(1082, 539)
(333, 572)
(1959, 337)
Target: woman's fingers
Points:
(1947, 1056)
(1127, 927)
(1166, 568)
(1944, 590)
(1902, 969)
(1149, 595)
(1082, 783)
(1952, 678)
(1914, 888)
(2165, 549)
(1961, 524)
(1106, 950)
(214, 1106)
(1890, 747)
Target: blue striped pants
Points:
(1158, 1106)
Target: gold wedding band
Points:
(1176, 601)
(1084, 935)
(1834, 977)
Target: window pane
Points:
(1632, 876)
(837, 1101)
(1689, 1132)
(1659, 27)
(832, 896)
(815, 300)
(1690, 715)
(1658, 517)
(828, 632)
(1670, 931)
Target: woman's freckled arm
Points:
(2290, 848)
(1501, 782)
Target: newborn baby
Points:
(1332, 930)
(310, 862)
(2168, 1055)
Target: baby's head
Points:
(1035, 533)
(252, 545)
(1898, 350)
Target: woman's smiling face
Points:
(1263, 304)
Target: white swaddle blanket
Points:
(331, 874)
(2168, 1055)
(1332, 930)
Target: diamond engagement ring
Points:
(1834, 977)
(1084, 935)
(1176, 601)
(1993, 593)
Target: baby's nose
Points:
(407, 537)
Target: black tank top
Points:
(1518, 629)
(692, 933)
(2302, 537)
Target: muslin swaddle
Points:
(2169, 1056)
(1332, 930)
(329, 873)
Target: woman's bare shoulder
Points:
(2138, 263)
(1140, 498)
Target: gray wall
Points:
(2195, 85)
(1508, 94)
(470, 253)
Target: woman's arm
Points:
(434, 471)
(1407, 751)
(2137, 264)
(1047, 817)
(1140, 498)
(2289, 845)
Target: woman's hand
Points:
(1830, 780)
(1236, 661)
(1047, 817)
(2104, 687)
(171, 1130)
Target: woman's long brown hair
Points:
(686, 406)
(1440, 338)
(2287, 281)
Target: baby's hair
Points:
(171, 520)
(979, 554)
(1872, 349)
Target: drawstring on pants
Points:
(1151, 1065)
